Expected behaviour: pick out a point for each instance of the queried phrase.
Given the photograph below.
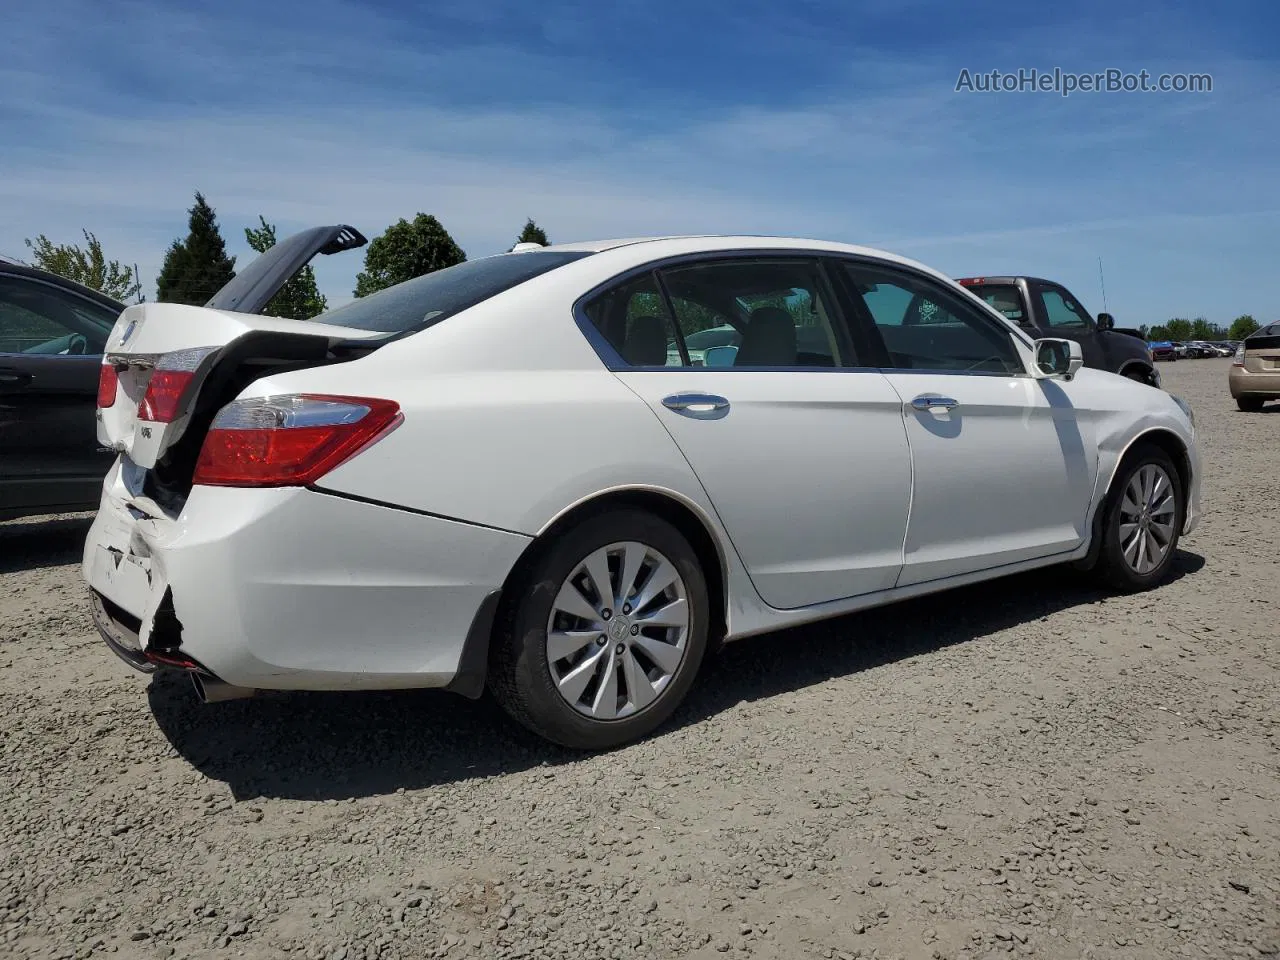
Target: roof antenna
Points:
(1102, 283)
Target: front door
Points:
(1004, 464)
(802, 453)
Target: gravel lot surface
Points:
(1027, 768)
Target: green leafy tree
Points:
(1202, 329)
(532, 233)
(87, 265)
(1241, 327)
(1159, 332)
(299, 298)
(196, 268)
(1145, 331)
(407, 250)
(1179, 328)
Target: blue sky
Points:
(835, 120)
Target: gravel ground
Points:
(1026, 768)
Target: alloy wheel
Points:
(618, 631)
(1148, 511)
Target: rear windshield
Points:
(423, 301)
(1005, 297)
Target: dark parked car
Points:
(52, 332)
(1047, 309)
(1162, 350)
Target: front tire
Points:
(1145, 511)
(601, 641)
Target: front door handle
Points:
(9, 377)
(931, 401)
(699, 406)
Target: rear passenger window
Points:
(724, 313)
(635, 321)
(925, 327)
(756, 313)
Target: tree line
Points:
(1180, 328)
(196, 266)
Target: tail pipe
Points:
(212, 690)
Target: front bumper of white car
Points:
(294, 589)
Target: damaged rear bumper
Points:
(296, 589)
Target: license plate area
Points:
(123, 578)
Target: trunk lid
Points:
(252, 288)
(193, 347)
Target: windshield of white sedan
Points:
(426, 300)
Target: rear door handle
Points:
(931, 401)
(699, 406)
(10, 377)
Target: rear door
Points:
(51, 342)
(802, 451)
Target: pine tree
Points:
(405, 251)
(532, 233)
(299, 298)
(196, 268)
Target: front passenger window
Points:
(926, 327)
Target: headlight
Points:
(1186, 408)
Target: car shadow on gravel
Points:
(38, 542)
(319, 746)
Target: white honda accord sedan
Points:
(512, 473)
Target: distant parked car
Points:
(52, 332)
(1162, 350)
(1254, 377)
(1044, 308)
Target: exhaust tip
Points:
(212, 690)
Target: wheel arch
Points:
(686, 516)
(1130, 367)
(1166, 440)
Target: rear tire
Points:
(1142, 523)
(639, 666)
(1249, 404)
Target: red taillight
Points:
(108, 381)
(161, 402)
(971, 281)
(289, 441)
(168, 384)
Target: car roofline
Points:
(13, 268)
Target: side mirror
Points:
(1057, 359)
(1106, 321)
(719, 356)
